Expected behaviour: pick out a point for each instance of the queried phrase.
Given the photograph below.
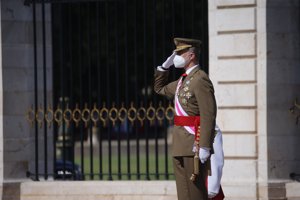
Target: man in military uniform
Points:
(195, 104)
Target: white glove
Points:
(169, 62)
(204, 153)
(211, 195)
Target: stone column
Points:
(236, 32)
(254, 64)
(18, 86)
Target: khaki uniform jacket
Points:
(196, 96)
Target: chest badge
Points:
(186, 88)
(188, 95)
(185, 93)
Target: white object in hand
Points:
(217, 163)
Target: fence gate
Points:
(105, 120)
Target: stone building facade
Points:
(254, 56)
(254, 47)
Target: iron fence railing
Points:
(105, 120)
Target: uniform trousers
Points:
(186, 189)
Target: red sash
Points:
(188, 121)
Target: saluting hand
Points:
(169, 62)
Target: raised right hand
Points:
(169, 62)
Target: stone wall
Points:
(18, 85)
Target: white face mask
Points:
(179, 61)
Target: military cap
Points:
(184, 43)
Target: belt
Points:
(189, 121)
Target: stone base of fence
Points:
(131, 190)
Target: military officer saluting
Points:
(195, 123)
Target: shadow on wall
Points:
(283, 87)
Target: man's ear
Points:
(193, 57)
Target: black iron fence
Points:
(105, 119)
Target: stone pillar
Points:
(18, 86)
(254, 64)
(233, 34)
